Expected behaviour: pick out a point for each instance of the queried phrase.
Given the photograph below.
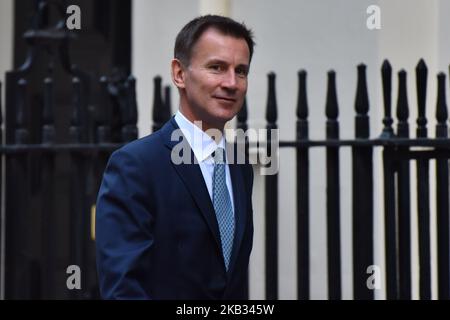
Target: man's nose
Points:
(230, 80)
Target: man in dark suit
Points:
(171, 229)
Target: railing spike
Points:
(331, 109)
(242, 116)
(158, 105)
(362, 98)
(129, 129)
(302, 101)
(386, 76)
(167, 103)
(271, 110)
(402, 99)
(441, 105)
(132, 102)
(402, 106)
(421, 83)
(362, 105)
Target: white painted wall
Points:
(220, 7)
(316, 36)
(6, 36)
(155, 25)
(6, 63)
(6, 39)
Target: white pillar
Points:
(219, 7)
(6, 64)
(6, 37)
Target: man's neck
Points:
(211, 130)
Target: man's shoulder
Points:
(143, 149)
(146, 143)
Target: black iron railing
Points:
(399, 150)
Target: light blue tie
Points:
(222, 205)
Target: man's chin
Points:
(219, 122)
(225, 119)
(227, 115)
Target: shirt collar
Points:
(200, 142)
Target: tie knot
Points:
(219, 155)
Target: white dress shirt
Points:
(203, 146)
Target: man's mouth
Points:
(228, 99)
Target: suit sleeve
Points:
(123, 230)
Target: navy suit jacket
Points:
(157, 235)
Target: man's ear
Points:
(177, 73)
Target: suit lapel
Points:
(192, 177)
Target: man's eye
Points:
(241, 72)
(215, 67)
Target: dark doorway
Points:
(40, 233)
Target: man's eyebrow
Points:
(216, 60)
(243, 65)
(220, 61)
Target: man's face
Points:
(215, 82)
